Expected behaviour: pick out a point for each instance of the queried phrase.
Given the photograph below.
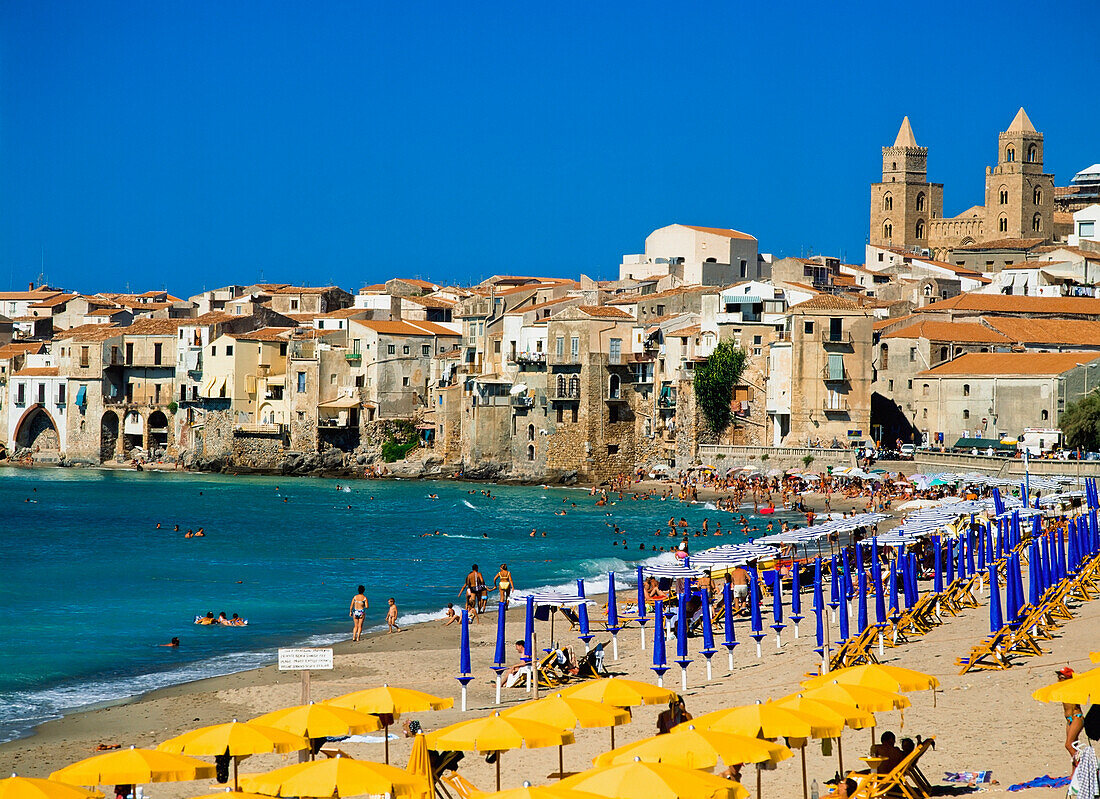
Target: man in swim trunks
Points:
(357, 611)
(504, 583)
(475, 590)
(740, 579)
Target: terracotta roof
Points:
(1032, 264)
(264, 334)
(1047, 330)
(963, 332)
(538, 306)
(107, 311)
(342, 313)
(1012, 363)
(434, 328)
(1004, 303)
(801, 286)
(676, 292)
(36, 295)
(37, 371)
(725, 232)
(827, 302)
(430, 302)
(209, 318)
(89, 333)
(412, 281)
(154, 327)
(1095, 256)
(1063, 218)
(9, 351)
(304, 289)
(387, 328)
(1004, 244)
(604, 312)
(379, 287)
(59, 299)
(684, 332)
(879, 324)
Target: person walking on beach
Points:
(1075, 718)
(391, 617)
(474, 587)
(504, 583)
(357, 611)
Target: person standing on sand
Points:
(1075, 718)
(357, 611)
(391, 617)
(504, 583)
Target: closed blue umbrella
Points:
(938, 576)
(682, 622)
(950, 563)
(757, 633)
(727, 607)
(529, 630)
(777, 609)
(1044, 562)
(1071, 545)
(1018, 576)
(582, 617)
(1001, 537)
(834, 584)
(499, 666)
(612, 616)
(861, 575)
(844, 626)
(895, 606)
(660, 664)
(1062, 573)
(846, 556)
(996, 618)
(998, 502)
(960, 557)
(819, 608)
(970, 541)
(642, 620)
(880, 597)
(981, 547)
(1033, 573)
(708, 633)
(796, 597)
(464, 656)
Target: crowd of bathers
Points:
(221, 619)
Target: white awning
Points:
(517, 389)
(340, 402)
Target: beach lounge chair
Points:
(454, 786)
(592, 666)
(901, 782)
(992, 653)
(570, 616)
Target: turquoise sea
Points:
(89, 586)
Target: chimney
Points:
(30, 286)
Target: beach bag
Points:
(1092, 723)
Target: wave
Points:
(459, 535)
(466, 502)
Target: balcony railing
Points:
(666, 402)
(826, 375)
(353, 357)
(835, 406)
(566, 394)
(566, 359)
(523, 402)
(830, 337)
(529, 357)
(616, 395)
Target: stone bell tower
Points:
(1019, 196)
(904, 202)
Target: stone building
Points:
(904, 203)
(692, 255)
(37, 409)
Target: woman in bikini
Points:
(1075, 718)
(504, 583)
(357, 611)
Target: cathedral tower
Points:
(904, 202)
(1019, 197)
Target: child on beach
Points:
(391, 617)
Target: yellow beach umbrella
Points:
(16, 787)
(236, 739)
(420, 763)
(339, 776)
(1084, 689)
(540, 792)
(770, 720)
(389, 701)
(873, 700)
(849, 714)
(498, 734)
(228, 794)
(689, 747)
(620, 692)
(1094, 657)
(567, 713)
(877, 675)
(132, 767)
(639, 780)
(318, 720)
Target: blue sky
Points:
(194, 144)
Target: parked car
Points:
(908, 451)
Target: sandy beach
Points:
(983, 720)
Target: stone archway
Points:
(133, 432)
(158, 431)
(108, 436)
(37, 431)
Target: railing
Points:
(835, 406)
(829, 337)
(567, 359)
(523, 401)
(529, 357)
(614, 396)
(303, 350)
(666, 402)
(353, 357)
(822, 456)
(566, 394)
(270, 429)
(825, 375)
(333, 421)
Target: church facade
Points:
(907, 210)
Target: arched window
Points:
(1032, 154)
(1004, 196)
(966, 413)
(1002, 224)
(928, 290)
(920, 201)
(530, 452)
(1010, 153)
(1037, 196)
(562, 389)
(530, 432)
(966, 389)
(1045, 415)
(888, 202)
(613, 386)
(887, 230)
(1037, 223)
(920, 228)
(885, 356)
(893, 164)
(574, 386)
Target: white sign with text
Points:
(303, 659)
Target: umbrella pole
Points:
(805, 795)
(235, 786)
(386, 739)
(758, 769)
(561, 763)
(499, 754)
(613, 736)
(840, 754)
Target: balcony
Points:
(523, 401)
(566, 359)
(614, 395)
(835, 406)
(537, 358)
(844, 378)
(354, 357)
(566, 394)
(843, 338)
(666, 403)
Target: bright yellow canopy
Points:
(420, 763)
(638, 780)
(873, 700)
(239, 738)
(320, 720)
(1084, 689)
(497, 733)
(540, 792)
(133, 766)
(233, 795)
(770, 720)
(340, 776)
(1094, 657)
(566, 713)
(619, 692)
(689, 747)
(877, 675)
(391, 700)
(15, 787)
(849, 714)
